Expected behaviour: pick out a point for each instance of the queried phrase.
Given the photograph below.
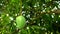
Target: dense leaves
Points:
(42, 16)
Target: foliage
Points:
(42, 16)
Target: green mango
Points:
(20, 21)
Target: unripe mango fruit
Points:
(20, 21)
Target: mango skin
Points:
(20, 21)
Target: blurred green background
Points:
(42, 16)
